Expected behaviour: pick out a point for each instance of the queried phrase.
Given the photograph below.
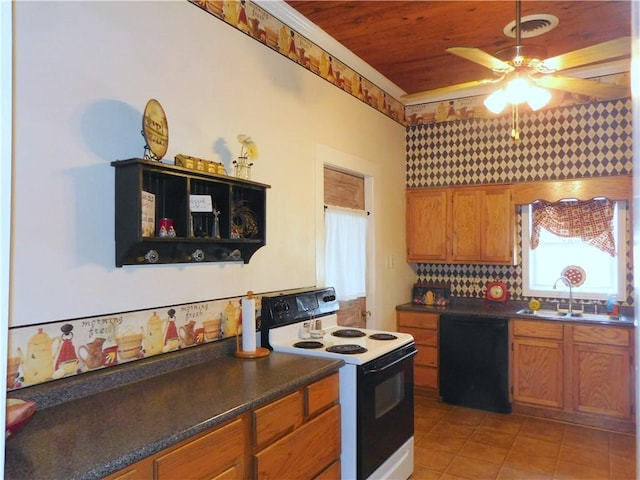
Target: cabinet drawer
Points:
(427, 356)
(426, 377)
(422, 336)
(277, 418)
(526, 328)
(210, 455)
(322, 393)
(419, 320)
(305, 453)
(602, 335)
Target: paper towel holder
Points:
(259, 352)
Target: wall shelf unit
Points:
(151, 190)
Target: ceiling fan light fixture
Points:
(538, 97)
(496, 101)
(517, 90)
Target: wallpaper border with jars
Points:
(254, 21)
(51, 351)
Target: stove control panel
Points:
(294, 307)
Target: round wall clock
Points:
(497, 291)
(155, 130)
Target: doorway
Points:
(347, 190)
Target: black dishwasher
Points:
(474, 362)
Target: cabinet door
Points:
(466, 224)
(498, 226)
(426, 225)
(602, 376)
(538, 372)
(483, 225)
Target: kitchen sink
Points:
(581, 316)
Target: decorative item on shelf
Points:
(165, 227)
(244, 224)
(247, 323)
(216, 224)
(497, 291)
(431, 294)
(201, 210)
(248, 152)
(148, 213)
(155, 131)
(199, 164)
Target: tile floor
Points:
(461, 443)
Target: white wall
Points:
(83, 74)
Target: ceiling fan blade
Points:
(583, 86)
(434, 94)
(483, 58)
(595, 53)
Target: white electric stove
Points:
(376, 382)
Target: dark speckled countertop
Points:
(121, 415)
(486, 308)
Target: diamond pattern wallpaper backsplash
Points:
(579, 141)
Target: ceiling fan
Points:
(525, 74)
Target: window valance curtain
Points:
(346, 251)
(591, 221)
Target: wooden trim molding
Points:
(613, 187)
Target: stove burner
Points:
(346, 348)
(348, 333)
(308, 344)
(382, 336)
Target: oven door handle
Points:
(368, 371)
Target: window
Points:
(604, 275)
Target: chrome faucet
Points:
(568, 283)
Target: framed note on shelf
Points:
(148, 214)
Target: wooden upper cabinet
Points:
(466, 224)
(461, 225)
(499, 222)
(427, 218)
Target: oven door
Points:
(385, 408)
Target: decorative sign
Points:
(148, 214)
(200, 203)
(155, 129)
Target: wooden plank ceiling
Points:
(406, 41)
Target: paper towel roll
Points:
(248, 325)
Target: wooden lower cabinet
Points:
(424, 328)
(576, 372)
(296, 436)
(299, 436)
(305, 453)
(538, 363)
(603, 372)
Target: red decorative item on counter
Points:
(497, 291)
